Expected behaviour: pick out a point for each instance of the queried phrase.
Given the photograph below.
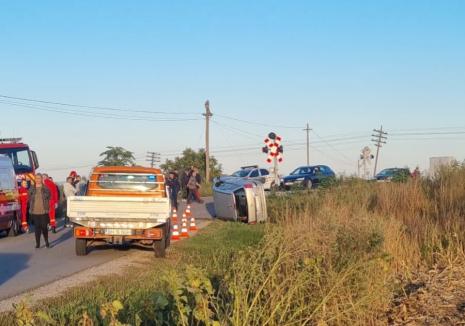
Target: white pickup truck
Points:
(122, 205)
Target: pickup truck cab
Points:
(122, 205)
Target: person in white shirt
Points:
(68, 191)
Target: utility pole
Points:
(207, 116)
(152, 158)
(379, 138)
(308, 129)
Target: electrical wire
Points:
(96, 107)
(256, 123)
(247, 133)
(331, 146)
(93, 115)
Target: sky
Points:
(343, 67)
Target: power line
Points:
(379, 138)
(428, 133)
(95, 107)
(330, 145)
(247, 133)
(258, 123)
(93, 115)
(152, 158)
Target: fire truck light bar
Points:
(10, 140)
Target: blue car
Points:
(307, 176)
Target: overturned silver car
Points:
(239, 200)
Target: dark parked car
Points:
(307, 176)
(393, 174)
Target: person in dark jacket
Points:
(184, 179)
(39, 204)
(173, 185)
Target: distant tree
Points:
(117, 156)
(191, 158)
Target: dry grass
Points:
(351, 254)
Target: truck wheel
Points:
(159, 247)
(15, 228)
(81, 247)
(168, 235)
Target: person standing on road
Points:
(53, 201)
(68, 191)
(39, 204)
(23, 199)
(173, 187)
(193, 187)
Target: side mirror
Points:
(35, 160)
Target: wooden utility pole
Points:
(379, 138)
(207, 116)
(308, 129)
(152, 158)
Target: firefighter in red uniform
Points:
(23, 199)
(53, 201)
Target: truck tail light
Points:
(248, 186)
(153, 233)
(83, 232)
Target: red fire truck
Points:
(24, 160)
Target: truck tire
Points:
(81, 247)
(168, 234)
(15, 228)
(159, 247)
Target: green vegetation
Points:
(117, 156)
(336, 256)
(190, 158)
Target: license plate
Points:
(118, 231)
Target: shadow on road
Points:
(65, 235)
(11, 265)
(210, 209)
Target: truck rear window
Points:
(131, 182)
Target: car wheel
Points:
(81, 247)
(159, 248)
(308, 184)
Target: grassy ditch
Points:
(337, 256)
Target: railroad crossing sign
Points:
(273, 148)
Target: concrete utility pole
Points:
(308, 129)
(152, 158)
(379, 138)
(207, 116)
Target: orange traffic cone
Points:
(192, 225)
(184, 231)
(175, 232)
(188, 210)
(174, 216)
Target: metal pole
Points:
(307, 129)
(207, 116)
(379, 140)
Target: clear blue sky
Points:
(345, 67)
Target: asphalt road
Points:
(23, 268)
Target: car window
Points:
(323, 169)
(264, 172)
(304, 170)
(241, 173)
(296, 171)
(254, 174)
(7, 179)
(122, 181)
